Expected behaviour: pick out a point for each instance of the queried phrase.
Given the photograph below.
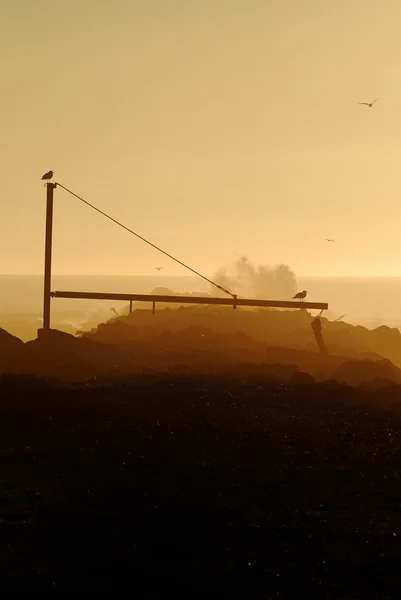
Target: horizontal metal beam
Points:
(192, 300)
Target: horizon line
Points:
(308, 275)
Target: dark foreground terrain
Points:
(202, 487)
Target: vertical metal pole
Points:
(48, 255)
(317, 330)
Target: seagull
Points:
(300, 295)
(48, 175)
(329, 240)
(158, 268)
(369, 104)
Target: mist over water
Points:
(257, 281)
(366, 301)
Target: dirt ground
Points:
(200, 487)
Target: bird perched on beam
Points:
(300, 295)
(47, 176)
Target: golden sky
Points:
(215, 128)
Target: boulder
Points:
(11, 349)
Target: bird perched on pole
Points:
(300, 295)
(47, 176)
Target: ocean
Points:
(367, 301)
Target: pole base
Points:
(43, 333)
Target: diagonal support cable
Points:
(147, 241)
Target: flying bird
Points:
(369, 104)
(158, 268)
(329, 240)
(48, 175)
(300, 295)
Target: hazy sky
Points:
(215, 128)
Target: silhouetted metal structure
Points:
(317, 330)
(48, 255)
(154, 298)
(234, 302)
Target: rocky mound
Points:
(271, 327)
(211, 339)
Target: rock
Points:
(359, 372)
(300, 378)
(378, 383)
(61, 355)
(11, 349)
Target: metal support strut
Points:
(48, 255)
